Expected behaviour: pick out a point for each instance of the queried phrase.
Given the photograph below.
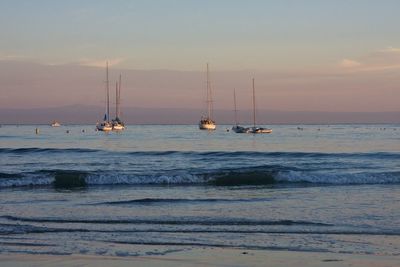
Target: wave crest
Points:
(250, 176)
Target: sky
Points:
(305, 55)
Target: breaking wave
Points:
(101, 167)
(235, 177)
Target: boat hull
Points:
(207, 126)
(118, 127)
(55, 124)
(240, 129)
(259, 130)
(104, 127)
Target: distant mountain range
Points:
(81, 114)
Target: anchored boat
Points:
(55, 124)
(206, 122)
(117, 123)
(255, 129)
(237, 128)
(106, 124)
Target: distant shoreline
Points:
(181, 116)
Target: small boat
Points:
(237, 128)
(240, 129)
(258, 130)
(106, 125)
(255, 129)
(55, 124)
(206, 122)
(117, 124)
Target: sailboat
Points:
(237, 128)
(255, 129)
(55, 124)
(117, 124)
(207, 123)
(106, 125)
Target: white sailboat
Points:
(117, 124)
(55, 124)
(206, 122)
(237, 128)
(255, 129)
(106, 125)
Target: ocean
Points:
(158, 189)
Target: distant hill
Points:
(134, 115)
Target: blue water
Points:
(157, 189)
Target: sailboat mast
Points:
(209, 111)
(116, 100)
(234, 102)
(119, 97)
(108, 95)
(254, 106)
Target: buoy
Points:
(83, 130)
(37, 130)
(67, 131)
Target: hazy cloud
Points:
(348, 63)
(13, 57)
(100, 63)
(391, 49)
(380, 60)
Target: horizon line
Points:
(195, 109)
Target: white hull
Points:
(104, 127)
(118, 127)
(55, 124)
(259, 130)
(207, 126)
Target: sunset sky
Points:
(305, 55)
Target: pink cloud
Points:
(391, 49)
(348, 63)
(380, 60)
(100, 63)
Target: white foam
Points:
(187, 178)
(26, 181)
(106, 179)
(338, 178)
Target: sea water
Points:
(155, 189)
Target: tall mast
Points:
(116, 100)
(108, 95)
(254, 106)
(209, 97)
(119, 97)
(234, 101)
